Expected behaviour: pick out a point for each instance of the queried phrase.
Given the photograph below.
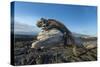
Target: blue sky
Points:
(79, 19)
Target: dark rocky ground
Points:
(25, 55)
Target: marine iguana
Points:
(47, 24)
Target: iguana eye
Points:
(41, 23)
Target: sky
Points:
(77, 18)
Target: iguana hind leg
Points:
(65, 39)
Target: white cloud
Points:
(20, 28)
